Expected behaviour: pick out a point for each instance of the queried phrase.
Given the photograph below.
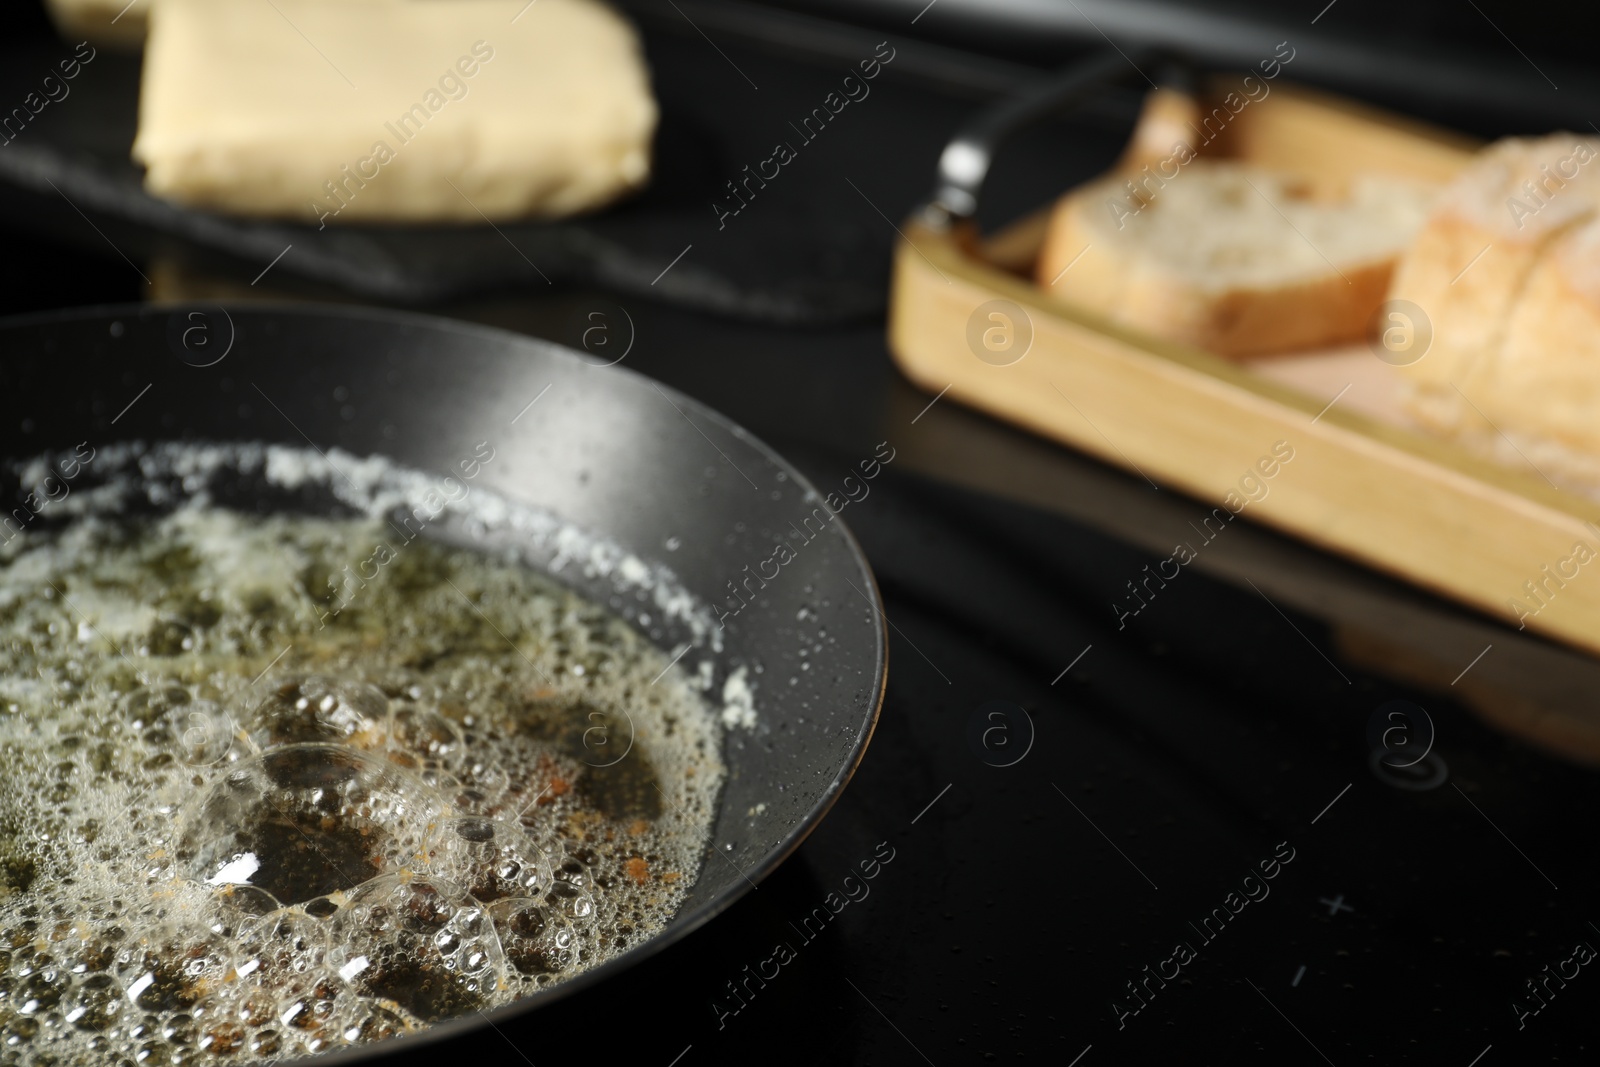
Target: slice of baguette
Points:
(1235, 259)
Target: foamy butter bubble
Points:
(257, 808)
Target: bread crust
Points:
(1250, 321)
(1073, 258)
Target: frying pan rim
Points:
(774, 858)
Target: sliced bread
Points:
(1238, 260)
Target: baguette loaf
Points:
(1239, 260)
(1507, 270)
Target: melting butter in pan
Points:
(234, 826)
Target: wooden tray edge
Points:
(1510, 519)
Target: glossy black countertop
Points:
(1097, 837)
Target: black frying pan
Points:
(603, 447)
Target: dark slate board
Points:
(811, 250)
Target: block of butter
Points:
(105, 22)
(119, 24)
(329, 111)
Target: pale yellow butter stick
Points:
(332, 111)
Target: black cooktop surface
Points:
(1202, 831)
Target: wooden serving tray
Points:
(1362, 481)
